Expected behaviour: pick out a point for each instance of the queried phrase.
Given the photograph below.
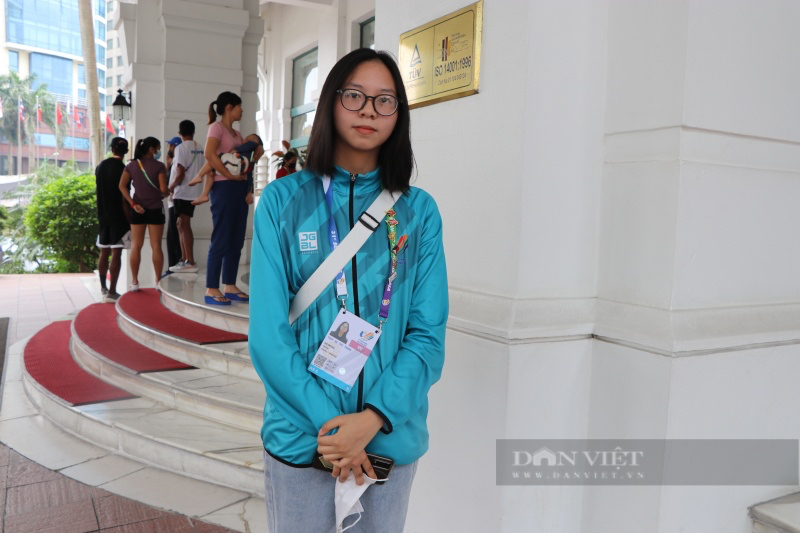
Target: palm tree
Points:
(92, 96)
(14, 89)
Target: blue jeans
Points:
(229, 215)
(300, 500)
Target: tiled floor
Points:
(33, 498)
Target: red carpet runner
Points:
(144, 306)
(49, 362)
(96, 326)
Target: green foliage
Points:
(62, 217)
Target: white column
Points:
(185, 54)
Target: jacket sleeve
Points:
(403, 386)
(272, 342)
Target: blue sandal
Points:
(238, 296)
(214, 300)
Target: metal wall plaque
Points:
(441, 60)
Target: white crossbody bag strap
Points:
(365, 226)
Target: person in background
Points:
(187, 161)
(228, 203)
(174, 251)
(289, 165)
(149, 177)
(112, 217)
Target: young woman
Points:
(360, 144)
(228, 202)
(149, 178)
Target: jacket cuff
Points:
(387, 426)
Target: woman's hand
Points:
(139, 209)
(360, 465)
(354, 432)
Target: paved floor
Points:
(33, 498)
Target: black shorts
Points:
(112, 235)
(150, 216)
(183, 207)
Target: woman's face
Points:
(236, 112)
(155, 150)
(344, 327)
(365, 130)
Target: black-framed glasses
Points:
(384, 104)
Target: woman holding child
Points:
(228, 202)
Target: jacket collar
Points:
(365, 184)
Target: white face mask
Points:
(346, 499)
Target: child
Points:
(252, 149)
(359, 145)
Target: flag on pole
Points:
(59, 115)
(76, 117)
(38, 110)
(21, 110)
(122, 129)
(1, 107)
(110, 126)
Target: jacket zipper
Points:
(355, 291)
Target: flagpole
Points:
(19, 140)
(55, 154)
(72, 121)
(38, 125)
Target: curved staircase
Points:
(197, 402)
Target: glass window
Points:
(100, 30)
(102, 103)
(110, 62)
(109, 7)
(109, 99)
(368, 33)
(101, 79)
(13, 61)
(81, 74)
(56, 72)
(119, 61)
(110, 44)
(109, 81)
(101, 54)
(47, 24)
(100, 8)
(82, 94)
(304, 83)
(119, 80)
(304, 78)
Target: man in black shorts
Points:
(189, 159)
(111, 214)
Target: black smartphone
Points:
(382, 465)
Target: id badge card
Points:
(344, 350)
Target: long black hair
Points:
(222, 101)
(396, 159)
(143, 145)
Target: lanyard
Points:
(146, 176)
(333, 238)
(395, 246)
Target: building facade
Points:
(619, 216)
(43, 37)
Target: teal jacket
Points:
(409, 355)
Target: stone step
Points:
(231, 358)
(217, 396)
(781, 515)
(148, 431)
(184, 294)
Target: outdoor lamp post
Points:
(122, 108)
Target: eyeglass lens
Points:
(353, 100)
